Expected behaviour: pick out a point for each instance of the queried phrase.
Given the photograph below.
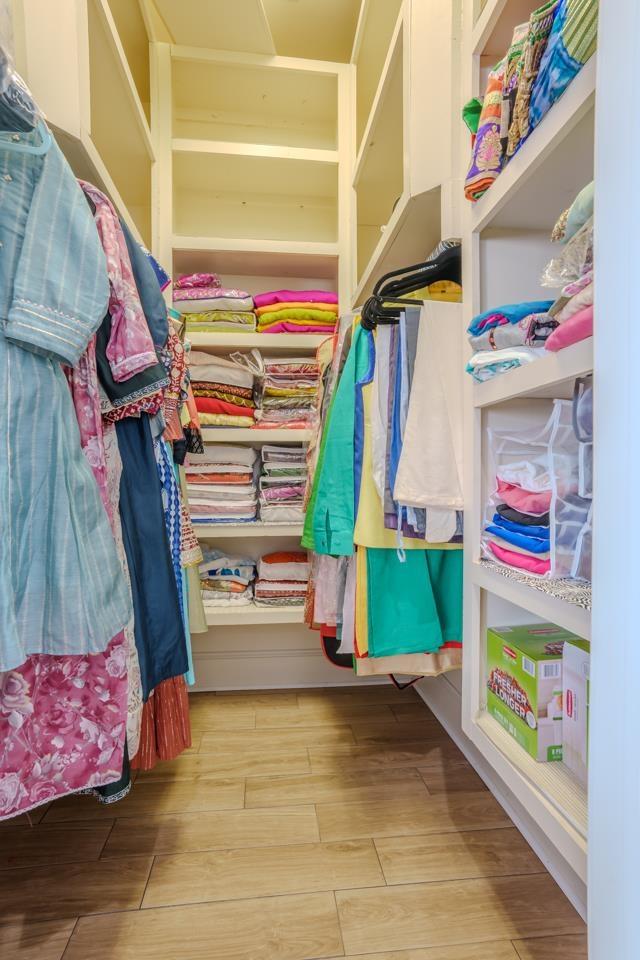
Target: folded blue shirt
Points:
(513, 313)
(526, 530)
(532, 544)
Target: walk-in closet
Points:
(318, 580)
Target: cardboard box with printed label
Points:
(524, 685)
(576, 656)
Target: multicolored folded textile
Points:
(488, 156)
(297, 305)
(195, 280)
(572, 43)
(509, 313)
(487, 364)
(540, 26)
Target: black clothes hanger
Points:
(386, 302)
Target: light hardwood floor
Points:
(316, 824)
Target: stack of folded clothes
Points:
(223, 391)
(545, 54)
(288, 394)
(573, 310)
(282, 484)
(221, 483)
(208, 307)
(226, 581)
(282, 579)
(519, 535)
(509, 336)
(297, 311)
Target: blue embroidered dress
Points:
(61, 585)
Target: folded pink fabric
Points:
(285, 327)
(577, 328)
(294, 296)
(520, 560)
(198, 280)
(525, 501)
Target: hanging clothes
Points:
(68, 594)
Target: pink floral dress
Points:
(63, 720)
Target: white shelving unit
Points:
(253, 182)
(213, 531)
(273, 342)
(94, 102)
(506, 239)
(404, 198)
(254, 614)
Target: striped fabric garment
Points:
(62, 589)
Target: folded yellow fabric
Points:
(224, 420)
(300, 305)
(303, 314)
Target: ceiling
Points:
(314, 29)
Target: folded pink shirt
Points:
(294, 296)
(576, 328)
(525, 501)
(520, 560)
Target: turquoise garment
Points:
(62, 589)
(333, 518)
(413, 605)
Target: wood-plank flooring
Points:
(302, 825)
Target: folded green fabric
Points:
(297, 313)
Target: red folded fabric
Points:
(286, 556)
(212, 405)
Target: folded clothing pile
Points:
(545, 54)
(226, 581)
(223, 391)
(221, 483)
(508, 336)
(282, 484)
(288, 393)
(208, 307)
(519, 533)
(572, 271)
(515, 334)
(297, 311)
(282, 579)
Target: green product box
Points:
(524, 685)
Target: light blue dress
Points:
(62, 590)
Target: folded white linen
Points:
(283, 571)
(281, 513)
(214, 369)
(219, 453)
